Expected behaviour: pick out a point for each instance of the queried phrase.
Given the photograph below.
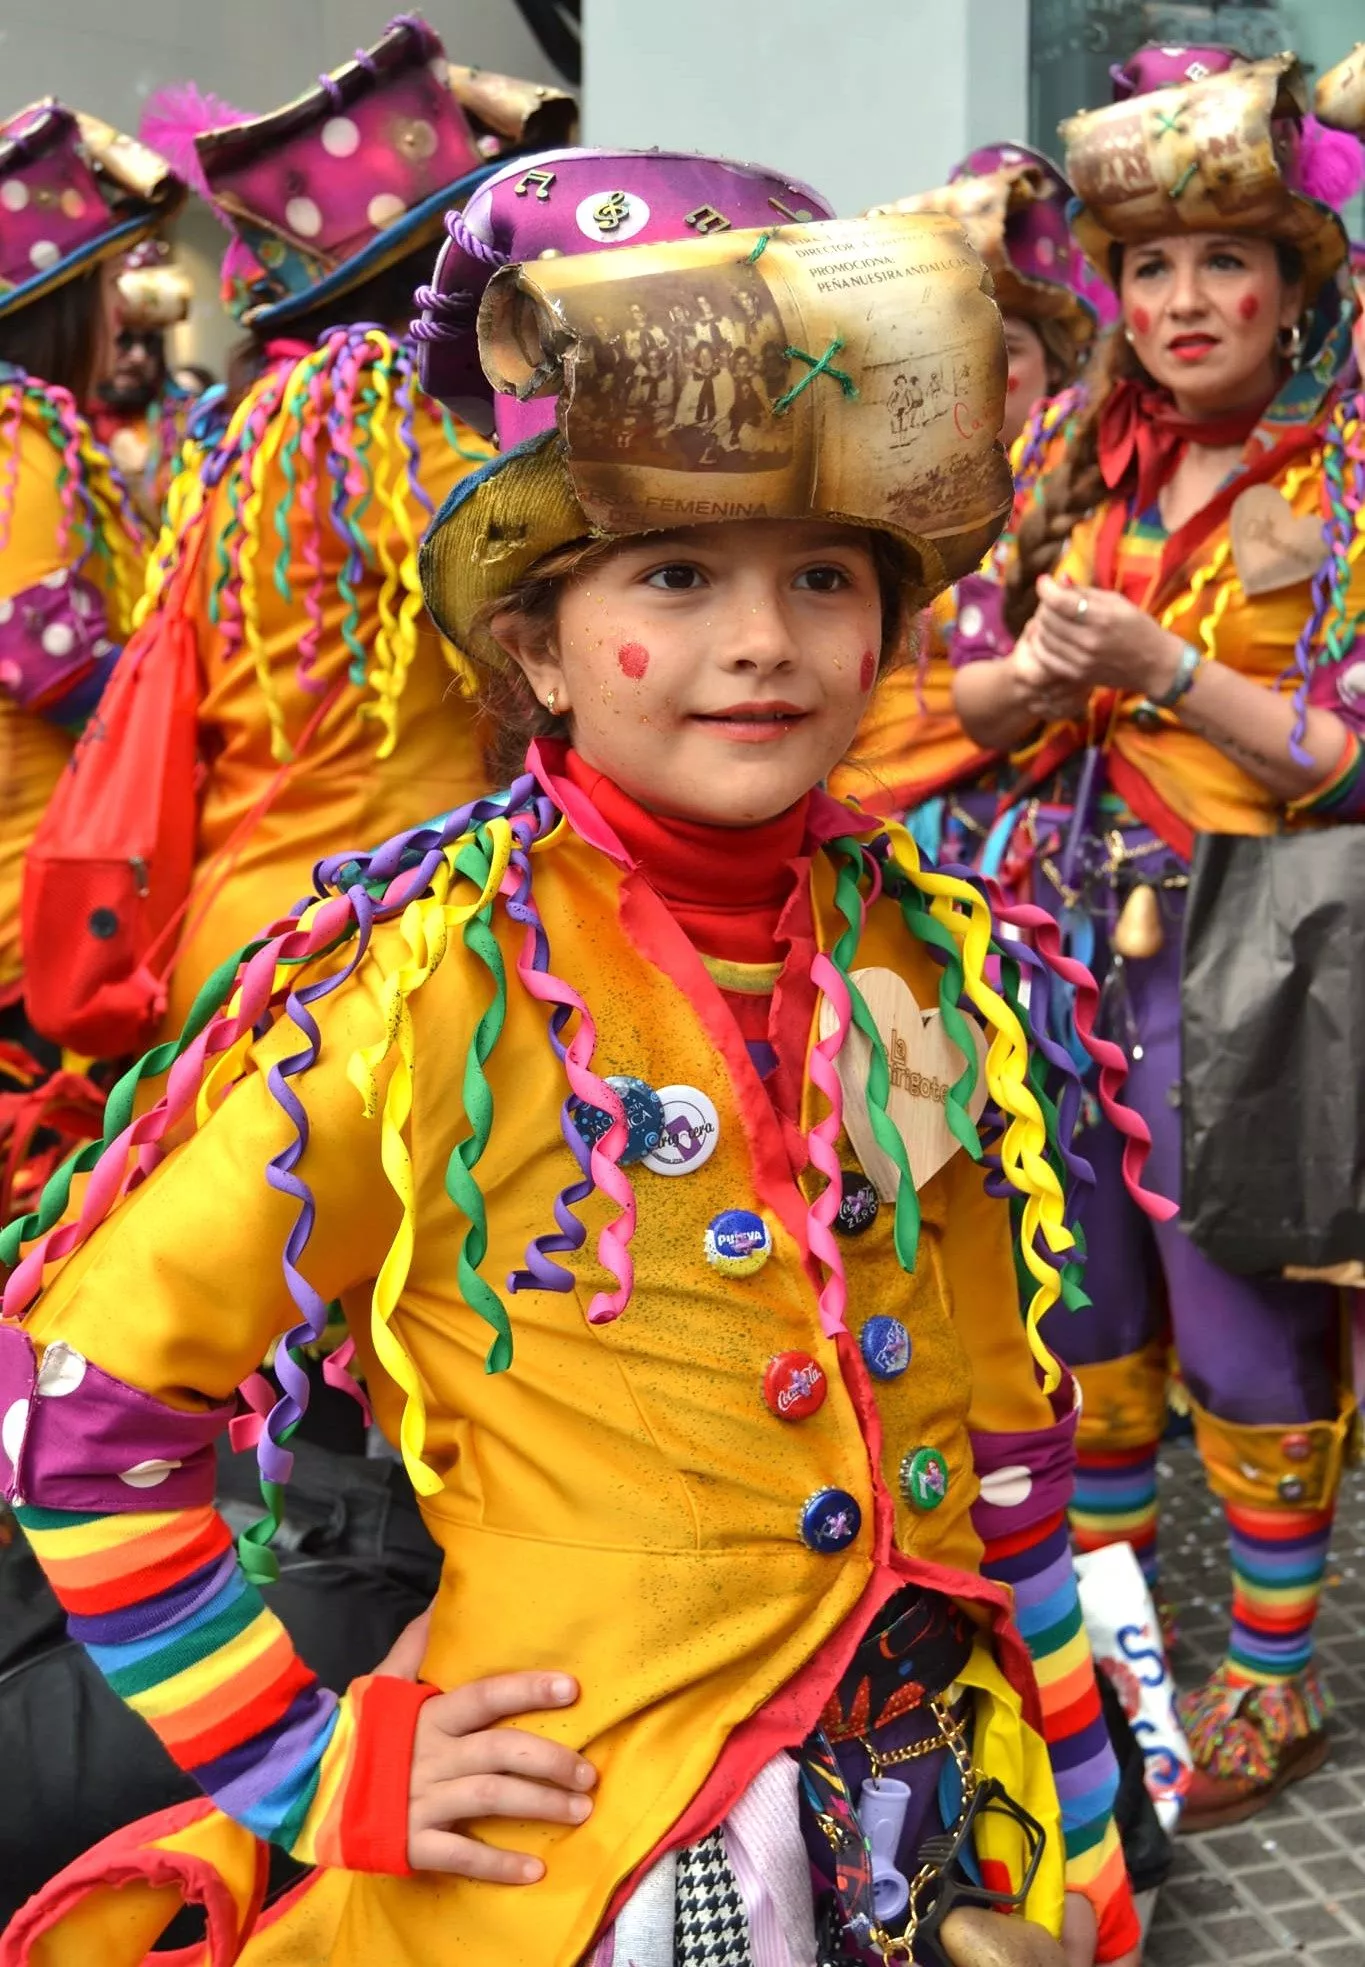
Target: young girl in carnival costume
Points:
(1186, 652)
(911, 751)
(327, 709)
(74, 196)
(634, 1116)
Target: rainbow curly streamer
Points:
(340, 427)
(1340, 445)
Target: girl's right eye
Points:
(1145, 269)
(677, 577)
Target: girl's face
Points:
(1204, 312)
(1027, 374)
(716, 673)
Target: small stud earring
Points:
(550, 701)
(1128, 337)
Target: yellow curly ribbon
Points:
(252, 514)
(426, 927)
(967, 917)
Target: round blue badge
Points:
(830, 1521)
(738, 1242)
(885, 1346)
(644, 1117)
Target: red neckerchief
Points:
(1141, 430)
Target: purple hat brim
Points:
(387, 246)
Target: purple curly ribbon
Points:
(405, 398)
(541, 1272)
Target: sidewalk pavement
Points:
(1290, 1885)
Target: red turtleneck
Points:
(738, 893)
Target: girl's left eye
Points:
(1227, 263)
(823, 580)
(676, 578)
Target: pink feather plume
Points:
(1331, 164)
(174, 116)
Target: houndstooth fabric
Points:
(710, 1927)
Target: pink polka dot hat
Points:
(73, 191)
(342, 181)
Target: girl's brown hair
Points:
(513, 716)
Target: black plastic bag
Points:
(1273, 1040)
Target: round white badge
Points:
(607, 217)
(690, 1132)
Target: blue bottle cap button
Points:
(644, 1117)
(738, 1242)
(885, 1346)
(859, 1204)
(830, 1521)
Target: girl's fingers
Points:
(465, 1857)
(509, 1751)
(477, 1705)
(491, 1795)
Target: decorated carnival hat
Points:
(154, 293)
(73, 191)
(1216, 153)
(570, 201)
(1340, 94)
(890, 359)
(342, 181)
(1012, 203)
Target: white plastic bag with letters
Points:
(1125, 1637)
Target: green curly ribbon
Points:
(474, 861)
(926, 928)
(848, 901)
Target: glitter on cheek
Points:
(633, 660)
(867, 673)
(1249, 306)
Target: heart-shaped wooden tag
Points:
(924, 1064)
(1273, 546)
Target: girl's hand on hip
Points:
(464, 1765)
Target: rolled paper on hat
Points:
(1339, 100)
(1205, 157)
(513, 114)
(571, 202)
(1014, 213)
(153, 291)
(890, 418)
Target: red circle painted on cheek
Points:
(867, 672)
(1142, 320)
(633, 660)
(1249, 306)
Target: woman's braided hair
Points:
(1073, 488)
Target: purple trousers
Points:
(1253, 1351)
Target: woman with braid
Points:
(697, 1279)
(1171, 591)
(74, 196)
(911, 755)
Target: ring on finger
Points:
(1081, 607)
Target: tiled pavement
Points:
(1289, 1886)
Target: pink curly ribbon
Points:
(613, 1242)
(336, 1370)
(244, 1430)
(1113, 1066)
(822, 1145)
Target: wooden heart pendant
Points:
(1272, 545)
(924, 1063)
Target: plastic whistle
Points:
(881, 1812)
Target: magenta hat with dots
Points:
(576, 201)
(72, 192)
(345, 179)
